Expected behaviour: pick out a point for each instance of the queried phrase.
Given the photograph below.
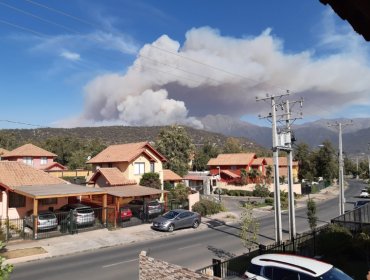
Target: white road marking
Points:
(113, 264)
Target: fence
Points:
(356, 220)
(304, 245)
(57, 224)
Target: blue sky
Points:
(86, 62)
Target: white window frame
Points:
(28, 160)
(139, 168)
(43, 160)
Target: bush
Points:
(261, 191)
(207, 207)
(269, 200)
(329, 239)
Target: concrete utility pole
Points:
(341, 165)
(275, 149)
(368, 158)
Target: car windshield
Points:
(334, 274)
(170, 214)
(46, 216)
(84, 210)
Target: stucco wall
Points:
(193, 198)
(250, 187)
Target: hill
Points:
(122, 134)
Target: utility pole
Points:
(341, 165)
(368, 158)
(275, 149)
(289, 150)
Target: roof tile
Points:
(29, 150)
(232, 159)
(169, 175)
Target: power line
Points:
(60, 12)
(35, 16)
(29, 124)
(22, 28)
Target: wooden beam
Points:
(35, 217)
(104, 214)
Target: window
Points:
(139, 168)
(48, 201)
(43, 160)
(152, 167)
(28, 160)
(16, 200)
(110, 165)
(233, 167)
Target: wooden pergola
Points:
(57, 191)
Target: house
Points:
(283, 167)
(119, 168)
(171, 177)
(35, 157)
(229, 166)
(24, 188)
(201, 181)
(2, 151)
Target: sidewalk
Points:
(97, 239)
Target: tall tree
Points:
(302, 154)
(326, 161)
(249, 226)
(203, 155)
(175, 144)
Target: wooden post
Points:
(35, 217)
(104, 214)
(117, 213)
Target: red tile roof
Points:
(125, 153)
(3, 151)
(169, 175)
(283, 161)
(28, 150)
(13, 173)
(230, 174)
(232, 159)
(132, 191)
(113, 176)
(53, 164)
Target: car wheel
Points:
(195, 224)
(171, 228)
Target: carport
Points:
(120, 193)
(38, 192)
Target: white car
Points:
(364, 193)
(289, 267)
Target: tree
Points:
(311, 213)
(326, 162)
(269, 174)
(303, 156)
(5, 269)
(151, 180)
(175, 144)
(249, 226)
(179, 193)
(232, 146)
(204, 154)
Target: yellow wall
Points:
(70, 173)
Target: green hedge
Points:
(207, 207)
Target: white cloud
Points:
(170, 83)
(70, 55)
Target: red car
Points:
(124, 214)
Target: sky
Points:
(160, 62)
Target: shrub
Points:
(329, 239)
(261, 191)
(207, 207)
(269, 200)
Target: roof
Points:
(113, 176)
(126, 153)
(309, 266)
(356, 12)
(259, 161)
(3, 151)
(28, 150)
(53, 164)
(230, 174)
(232, 159)
(169, 175)
(13, 173)
(132, 190)
(58, 190)
(193, 177)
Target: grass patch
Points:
(23, 252)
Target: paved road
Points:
(193, 250)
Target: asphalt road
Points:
(193, 250)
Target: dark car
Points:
(82, 214)
(176, 219)
(46, 220)
(152, 207)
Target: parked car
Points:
(83, 214)
(124, 214)
(46, 220)
(360, 203)
(152, 207)
(364, 193)
(288, 267)
(176, 219)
